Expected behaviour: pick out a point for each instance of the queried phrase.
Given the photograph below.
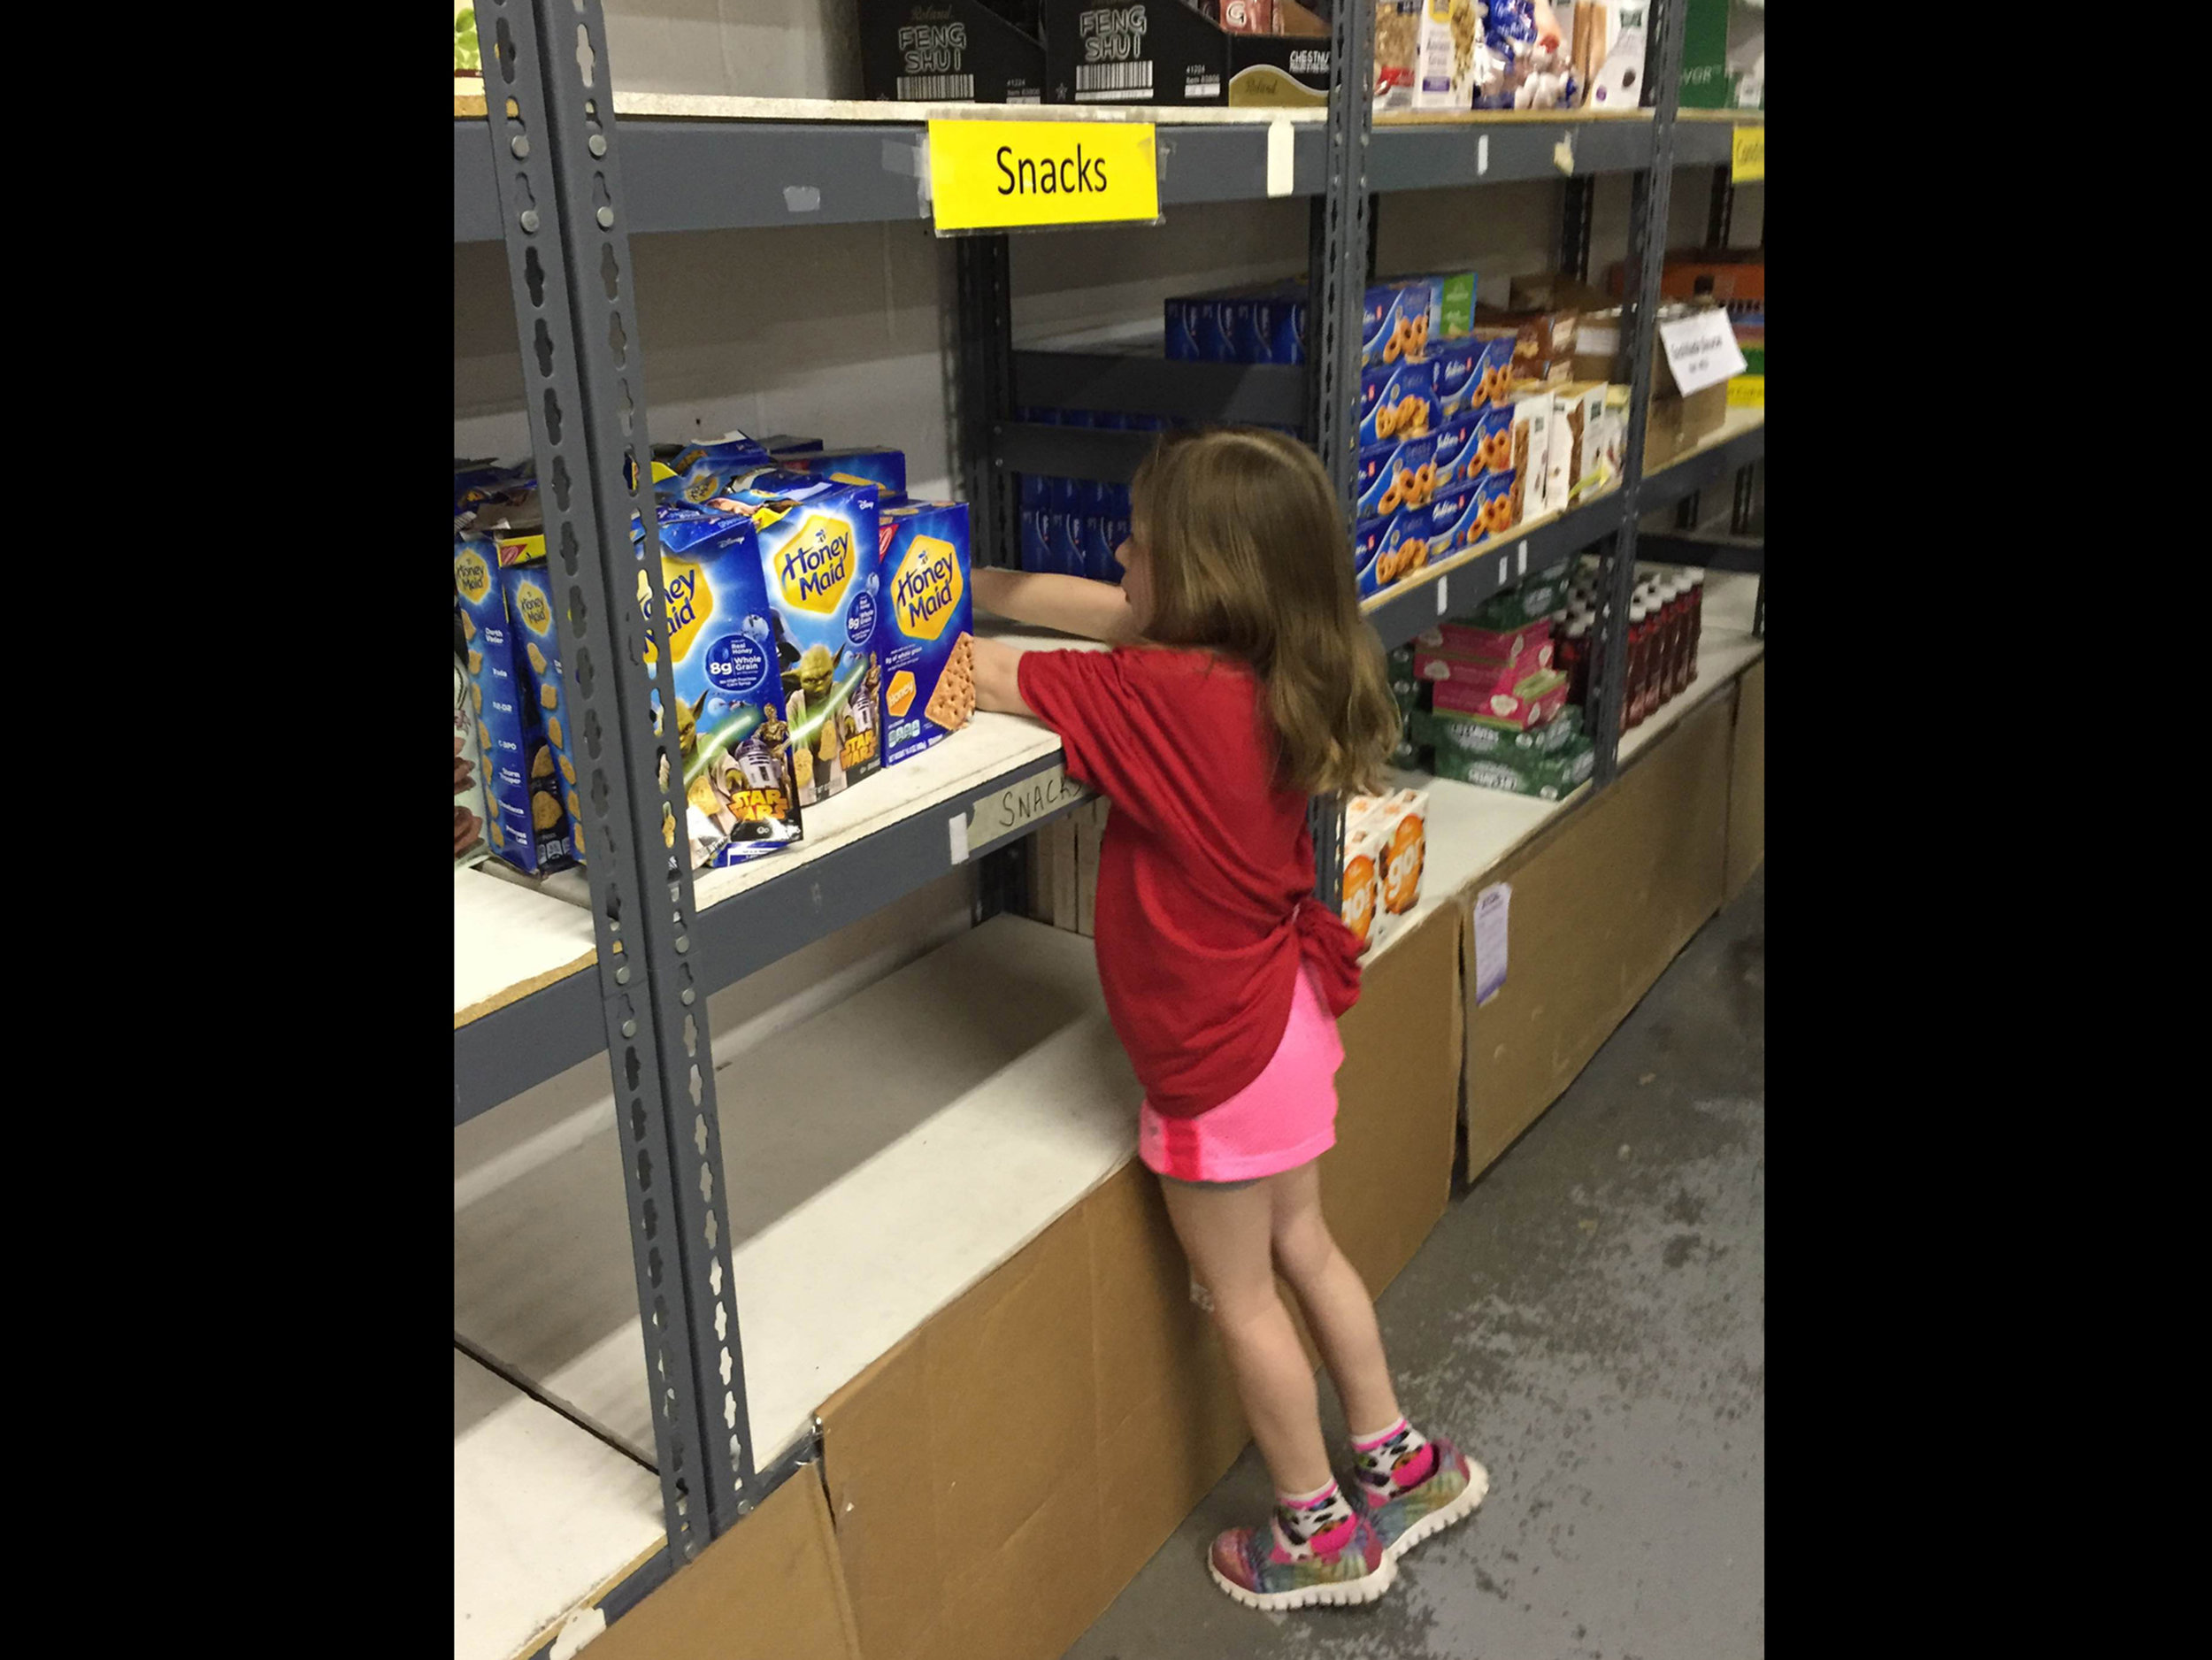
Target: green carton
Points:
(1472, 735)
(1545, 777)
(1537, 595)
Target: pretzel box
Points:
(1392, 475)
(1494, 370)
(1388, 551)
(1400, 822)
(821, 557)
(548, 760)
(1495, 495)
(733, 734)
(1458, 363)
(1397, 401)
(1456, 458)
(1362, 902)
(927, 638)
(525, 820)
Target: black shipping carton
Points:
(952, 51)
(1167, 52)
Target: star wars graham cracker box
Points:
(733, 729)
(819, 557)
(926, 638)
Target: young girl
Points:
(1243, 681)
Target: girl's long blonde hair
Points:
(1250, 558)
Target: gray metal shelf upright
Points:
(549, 186)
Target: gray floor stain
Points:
(1589, 1321)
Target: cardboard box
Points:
(1530, 438)
(927, 613)
(1494, 374)
(1455, 520)
(1456, 458)
(882, 469)
(1494, 437)
(527, 826)
(1461, 735)
(1479, 677)
(1397, 54)
(1544, 340)
(1676, 425)
(1399, 823)
(1172, 55)
(771, 1588)
(1496, 496)
(1390, 549)
(1747, 783)
(1552, 777)
(1457, 364)
(742, 798)
(1602, 903)
(1724, 55)
(948, 51)
(1396, 401)
(1365, 855)
(819, 553)
(1470, 643)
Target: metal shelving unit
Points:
(541, 174)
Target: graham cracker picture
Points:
(953, 702)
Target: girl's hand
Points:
(997, 682)
(1072, 604)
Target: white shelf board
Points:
(510, 940)
(885, 1155)
(718, 107)
(1740, 420)
(545, 1516)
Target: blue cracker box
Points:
(1455, 522)
(549, 764)
(1275, 328)
(1386, 551)
(696, 473)
(1181, 329)
(1456, 462)
(885, 469)
(1396, 401)
(820, 556)
(1494, 502)
(1458, 363)
(1397, 320)
(1196, 331)
(1097, 537)
(1494, 370)
(1393, 475)
(528, 832)
(928, 624)
(1493, 440)
(739, 777)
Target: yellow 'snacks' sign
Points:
(815, 567)
(989, 175)
(927, 588)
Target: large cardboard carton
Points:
(715, 1607)
(948, 52)
(1600, 905)
(1747, 783)
(1164, 52)
(1087, 1366)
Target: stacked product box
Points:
(1495, 708)
(1665, 623)
(925, 635)
(1394, 520)
(1258, 324)
(527, 818)
(1385, 842)
(1072, 527)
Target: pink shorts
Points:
(1281, 1119)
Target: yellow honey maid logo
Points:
(473, 576)
(537, 612)
(690, 603)
(927, 588)
(816, 566)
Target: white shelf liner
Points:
(509, 941)
(544, 1516)
(891, 1152)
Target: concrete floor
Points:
(1589, 1321)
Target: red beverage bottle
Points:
(1638, 649)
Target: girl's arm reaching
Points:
(1073, 604)
(997, 683)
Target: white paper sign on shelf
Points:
(1491, 905)
(1017, 808)
(1702, 351)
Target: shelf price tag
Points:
(1016, 810)
(1004, 175)
(1747, 154)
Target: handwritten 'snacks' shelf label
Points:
(926, 633)
(733, 730)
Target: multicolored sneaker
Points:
(1265, 1568)
(1420, 1493)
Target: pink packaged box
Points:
(1465, 640)
(1521, 708)
(1484, 675)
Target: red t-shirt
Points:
(1205, 875)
